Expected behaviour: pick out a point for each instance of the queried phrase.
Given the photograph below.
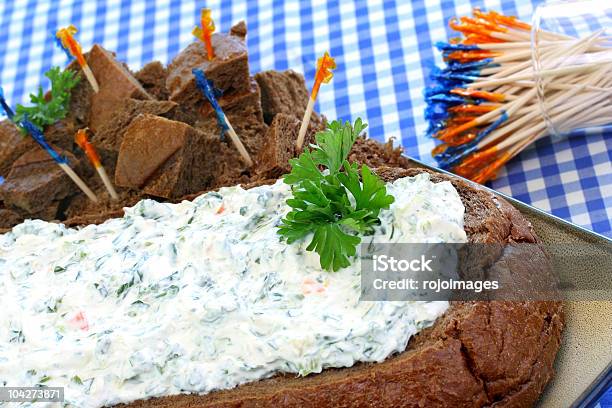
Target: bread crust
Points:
(478, 354)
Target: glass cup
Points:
(571, 47)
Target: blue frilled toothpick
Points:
(39, 138)
(208, 90)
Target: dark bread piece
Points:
(273, 160)
(282, 92)
(227, 165)
(110, 135)
(12, 145)
(165, 158)
(239, 30)
(61, 134)
(148, 142)
(191, 168)
(8, 218)
(116, 84)
(478, 354)
(152, 77)
(36, 184)
(376, 154)
(80, 97)
(285, 92)
(243, 110)
(229, 70)
(280, 145)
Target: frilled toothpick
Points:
(210, 93)
(65, 39)
(90, 151)
(204, 33)
(324, 74)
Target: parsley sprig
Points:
(47, 111)
(337, 204)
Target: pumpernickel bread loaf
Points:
(478, 354)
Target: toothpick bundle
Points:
(491, 101)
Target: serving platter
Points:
(585, 354)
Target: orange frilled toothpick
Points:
(325, 64)
(204, 33)
(82, 141)
(65, 38)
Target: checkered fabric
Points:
(383, 50)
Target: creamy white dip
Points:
(199, 296)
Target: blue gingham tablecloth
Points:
(383, 51)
